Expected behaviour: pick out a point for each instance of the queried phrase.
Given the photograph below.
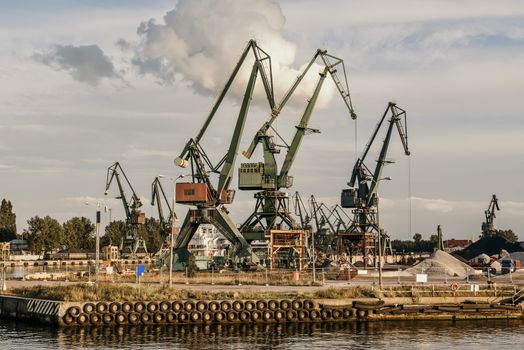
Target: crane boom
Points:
(260, 56)
(331, 68)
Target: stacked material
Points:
(490, 246)
(441, 263)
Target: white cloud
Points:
(201, 41)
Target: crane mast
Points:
(209, 199)
(363, 234)
(131, 246)
(271, 209)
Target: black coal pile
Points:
(490, 246)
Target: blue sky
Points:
(455, 66)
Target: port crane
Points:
(271, 210)
(364, 232)
(324, 229)
(301, 211)
(131, 246)
(487, 226)
(159, 198)
(208, 198)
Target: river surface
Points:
(478, 334)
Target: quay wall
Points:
(80, 314)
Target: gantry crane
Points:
(364, 232)
(131, 246)
(487, 227)
(271, 211)
(209, 199)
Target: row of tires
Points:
(231, 316)
(190, 311)
(191, 305)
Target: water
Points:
(478, 334)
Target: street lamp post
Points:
(97, 243)
(380, 241)
(173, 222)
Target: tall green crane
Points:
(272, 205)
(362, 197)
(208, 198)
(131, 243)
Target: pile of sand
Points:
(441, 263)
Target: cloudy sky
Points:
(86, 83)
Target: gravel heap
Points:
(441, 263)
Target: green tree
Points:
(509, 235)
(79, 232)
(43, 234)
(114, 233)
(151, 233)
(417, 237)
(7, 221)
